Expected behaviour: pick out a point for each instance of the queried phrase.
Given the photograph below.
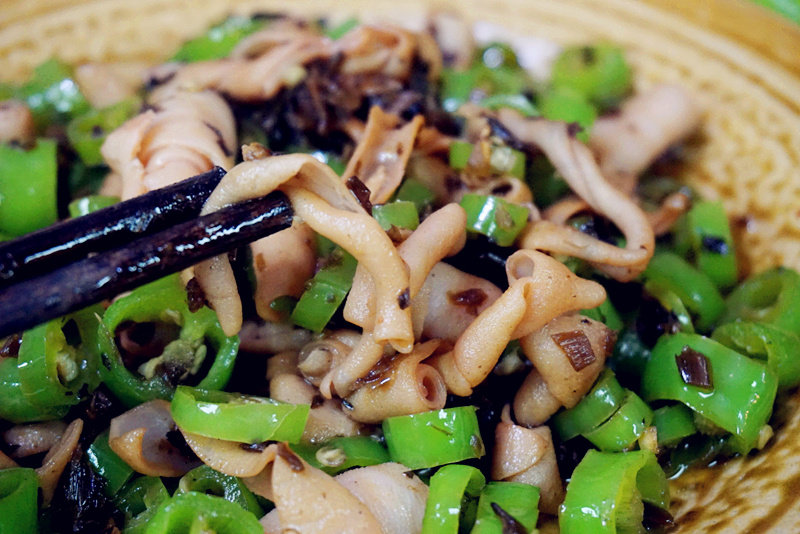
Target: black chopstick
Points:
(104, 275)
(49, 248)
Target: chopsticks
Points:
(85, 260)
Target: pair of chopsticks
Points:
(81, 261)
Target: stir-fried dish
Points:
(496, 305)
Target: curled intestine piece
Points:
(380, 158)
(319, 357)
(57, 459)
(575, 162)
(140, 437)
(568, 353)
(455, 38)
(627, 142)
(408, 386)
(540, 289)
(323, 202)
(527, 455)
(282, 263)
(670, 210)
(326, 419)
(507, 187)
(307, 500)
(33, 438)
(185, 134)
(16, 122)
(105, 84)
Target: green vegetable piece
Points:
(517, 102)
(340, 454)
(235, 417)
(706, 231)
(86, 205)
(416, 192)
(742, 395)
(400, 213)
(28, 189)
(499, 220)
(547, 185)
(200, 334)
(604, 399)
(606, 493)
(203, 479)
(457, 87)
(19, 492)
(696, 290)
(342, 29)
(459, 154)
(672, 303)
(520, 501)
(438, 437)
(194, 513)
(139, 500)
(764, 342)
(599, 72)
(623, 428)
(107, 464)
(506, 160)
(569, 105)
(52, 95)
(607, 314)
(14, 406)
(448, 488)
(219, 41)
(673, 423)
(788, 8)
(772, 296)
(87, 132)
(326, 292)
(630, 357)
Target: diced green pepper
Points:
(414, 191)
(107, 464)
(607, 314)
(622, 429)
(434, 438)
(87, 132)
(448, 489)
(400, 213)
(772, 296)
(19, 490)
(599, 72)
(673, 423)
(342, 29)
(219, 41)
(139, 500)
(52, 94)
(569, 105)
(86, 205)
(499, 220)
(506, 160)
(195, 513)
(517, 102)
(205, 480)
(28, 187)
(459, 154)
(705, 231)
(594, 409)
(340, 454)
(326, 291)
(519, 501)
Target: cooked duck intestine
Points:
(16, 123)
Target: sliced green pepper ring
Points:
(673, 423)
(518, 500)
(206, 480)
(764, 342)
(772, 296)
(234, 417)
(19, 491)
(164, 301)
(499, 220)
(448, 488)
(596, 407)
(672, 303)
(194, 512)
(434, 438)
(340, 454)
(623, 428)
(606, 491)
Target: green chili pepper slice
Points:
(705, 232)
(449, 486)
(624, 427)
(607, 314)
(772, 296)
(414, 191)
(672, 303)
(673, 423)
(598, 72)
(695, 289)
(604, 399)
(193, 513)
(19, 492)
(219, 41)
(518, 102)
(86, 205)
(629, 358)
(764, 342)
(519, 501)
(107, 464)
(14, 406)
(606, 493)
(493, 217)
(87, 132)
(506, 160)
(52, 95)
(400, 213)
(28, 192)
(340, 454)
(326, 292)
(139, 500)
(165, 301)
(235, 417)
(438, 437)
(742, 395)
(569, 105)
(203, 479)
(342, 29)
(459, 153)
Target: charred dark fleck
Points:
(471, 299)
(408, 474)
(715, 245)
(453, 184)
(502, 189)
(377, 373)
(317, 401)
(588, 55)
(654, 321)
(255, 447)
(294, 461)
(105, 361)
(404, 299)
(505, 135)
(510, 524)
(577, 347)
(361, 192)
(694, 368)
(220, 139)
(11, 346)
(97, 131)
(573, 129)
(175, 438)
(656, 518)
(195, 295)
